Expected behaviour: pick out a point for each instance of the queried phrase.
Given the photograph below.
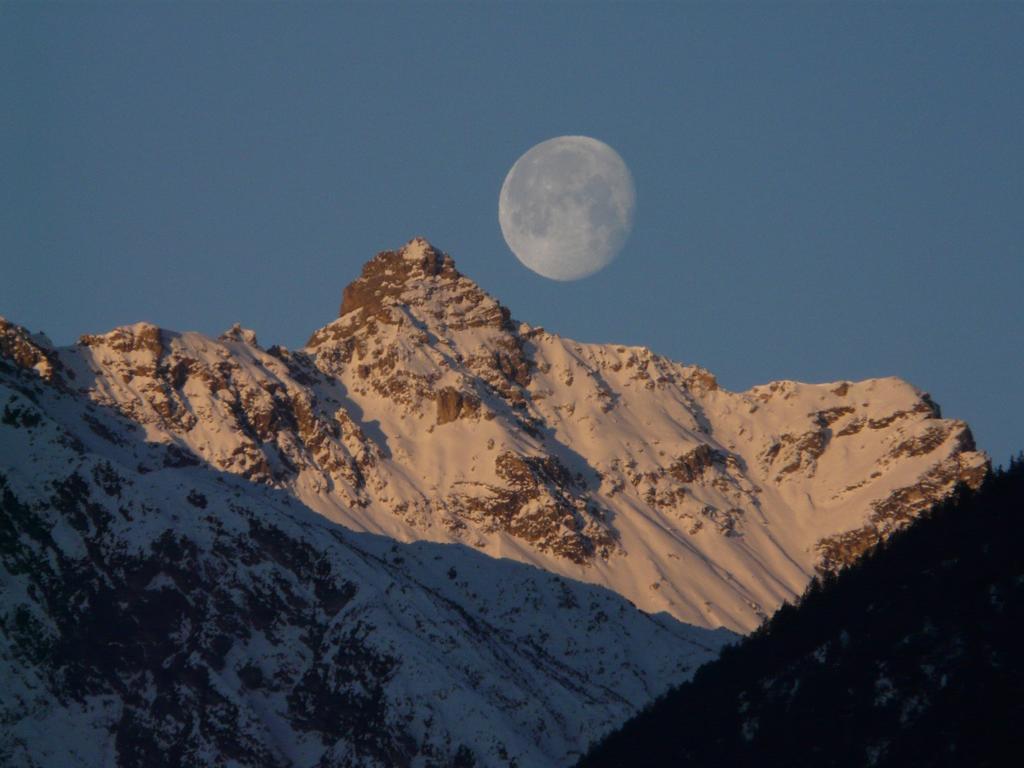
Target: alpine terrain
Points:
(414, 541)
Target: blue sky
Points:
(824, 191)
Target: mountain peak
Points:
(415, 287)
(29, 351)
(390, 273)
(419, 249)
(237, 333)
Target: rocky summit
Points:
(416, 539)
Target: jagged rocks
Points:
(386, 276)
(796, 452)
(248, 412)
(898, 509)
(141, 337)
(237, 333)
(540, 503)
(31, 353)
(691, 465)
(453, 404)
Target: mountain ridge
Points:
(421, 539)
(426, 411)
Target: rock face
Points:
(425, 412)
(21, 349)
(157, 612)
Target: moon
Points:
(566, 207)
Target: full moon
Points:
(566, 207)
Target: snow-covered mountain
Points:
(503, 494)
(425, 412)
(157, 612)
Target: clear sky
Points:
(824, 191)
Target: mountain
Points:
(420, 539)
(157, 612)
(425, 412)
(911, 657)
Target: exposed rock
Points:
(31, 353)
(130, 338)
(829, 416)
(453, 404)
(793, 453)
(237, 333)
(541, 504)
(855, 426)
(897, 510)
(388, 274)
(691, 465)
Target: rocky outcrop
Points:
(388, 275)
(31, 353)
(691, 465)
(453, 404)
(901, 507)
(269, 424)
(793, 453)
(540, 503)
(237, 333)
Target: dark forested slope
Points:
(911, 657)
